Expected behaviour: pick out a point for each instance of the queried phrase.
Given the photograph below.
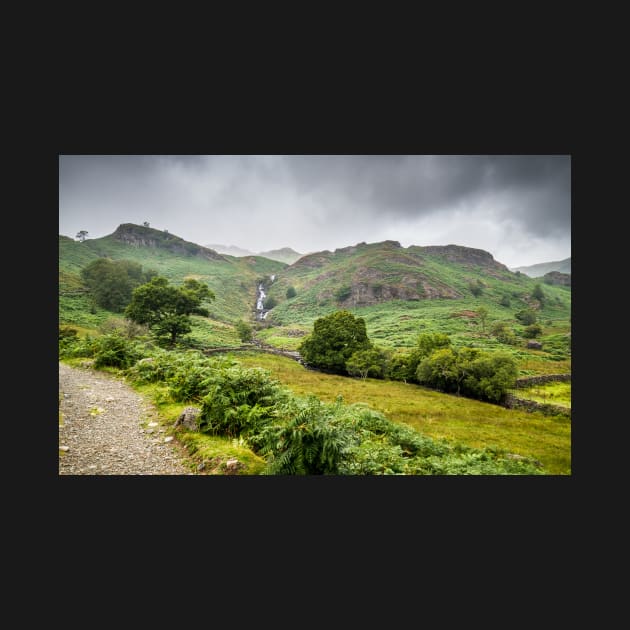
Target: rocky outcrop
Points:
(534, 345)
(141, 236)
(556, 277)
(464, 255)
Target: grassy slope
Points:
(233, 281)
(396, 323)
(478, 424)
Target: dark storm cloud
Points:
(516, 207)
(536, 188)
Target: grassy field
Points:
(475, 423)
(553, 393)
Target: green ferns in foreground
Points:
(296, 435)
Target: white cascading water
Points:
(260, 307)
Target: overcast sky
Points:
(517, 207)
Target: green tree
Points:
(111, 282)
(270, 302)
(532, 331)
(364, 363)
(335, 338)
(482, 316)
(291, 293)
(165, 309)
(538, 294)
(501, 331)
(505, 301)
(476, 287)
(526, 317)
(244, 330)
(81, 235)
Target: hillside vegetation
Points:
(398, 292)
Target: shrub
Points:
(530, 332)
(526, 317)
(314, 441)
(270, 302)
(239, 401)
(114, 350)
(343, 293)
(244, 330)
(291, 293)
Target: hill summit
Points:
(142, 236)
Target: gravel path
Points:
(103, 420)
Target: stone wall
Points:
(528, 381)
(512, 402)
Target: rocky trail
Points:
(106, 428)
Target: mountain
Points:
(285, 255)
(399, 291)
(539, 270)
(233, 280)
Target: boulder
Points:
(535, 345)
(189, 419)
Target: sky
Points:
(517, 207)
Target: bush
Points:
(114, 350)
(314, 441)
(505, 301)
(270, 302)
(335, 338)
(291, 293)
(239, 401)
(343, 293)
(244, 330)
(530, 332)
(526, 317)
(476, 287)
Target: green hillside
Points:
(232, 279)
(404, 291)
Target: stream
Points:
(261, 312)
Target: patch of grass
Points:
(216, 450)
(555, 393)
(457, 419)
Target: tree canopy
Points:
(335, 338)
(165, 308)
(111, 282)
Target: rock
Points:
(152, 424)
(232, 465)
(201, 466)
(189, 419)
(64, 448)
(536, 345)
(168, 439)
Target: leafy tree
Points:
(482, 315)
(111, 282)
(526, 317)
(145, 223)
(534, 330)
(335, 338)
(501, 331)
(366, 363)
(468, 371)
(505, 301)
(538, 294)
(291, 293)
(270, 302)
(476, 287)
(244, 331)
(81, 235)
(426, 344)
(166, 309)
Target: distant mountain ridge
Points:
(285, 254)
(539, 270)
